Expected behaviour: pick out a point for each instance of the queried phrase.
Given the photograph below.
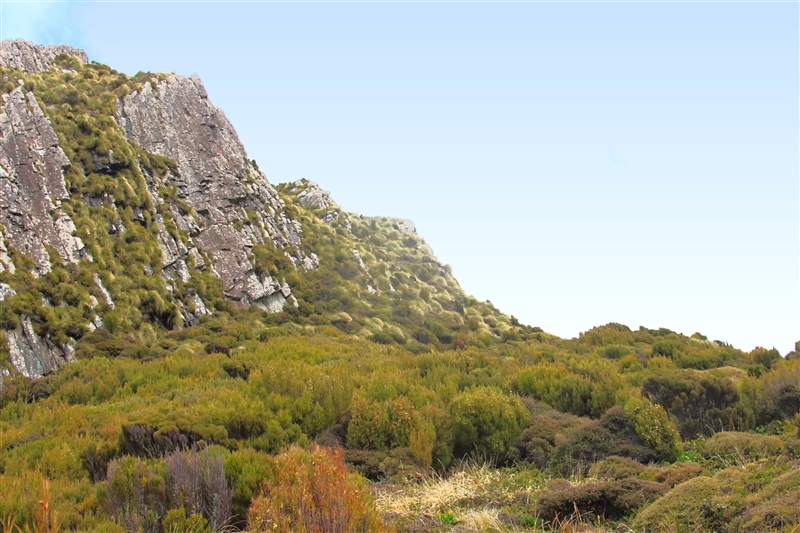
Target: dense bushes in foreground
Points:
(141, 443)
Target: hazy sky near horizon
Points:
(575, 163)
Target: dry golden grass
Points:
(486, 519)
(437, 494)
(476, 499)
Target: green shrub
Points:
(486, 423)
(739, 447)
(381, 426)
(137, 495)
(698, 402)
(611, 435)
(246, 470)
(681, 510)
(653, 427)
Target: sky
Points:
(575, 163)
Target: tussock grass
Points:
(437, 493)
(476, 494)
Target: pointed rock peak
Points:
(33, 58)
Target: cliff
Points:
(214, 177)
(130, 209)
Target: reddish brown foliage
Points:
(314, 493)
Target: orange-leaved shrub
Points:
(314, 493)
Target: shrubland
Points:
(386, 400)
(209, 439)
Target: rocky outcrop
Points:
(406, 226)
(33, 58)
(34, 356)
(32, 185)
(309, 194)
(233, 206)
(31, 355)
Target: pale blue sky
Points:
(575, 163)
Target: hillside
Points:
(111, 179)
(187, 347)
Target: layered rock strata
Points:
(32, 185)
(233, 205)
(33, 58)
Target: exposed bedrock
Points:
(234, 206)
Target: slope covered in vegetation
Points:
(376, 396)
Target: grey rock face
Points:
(34, 356)
(32, 184)
(309, 194)
(6, 291)
(234, 206)
(406, 226)
(33, 58)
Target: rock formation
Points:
(235, 206)
(32, 58)
(32, 184)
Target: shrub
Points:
(776, 506)
(246, 470)
(677, 473)
(365, 462)
(611, 435)
(486, 422)
(652, 425)
(537, 441)
(381, 426)
(681, 509)
(604, 499)
(196, 482)
(136, 494)
(699, 402)
(616, 468)
(742, 447)
(313, 493)
(176, 521)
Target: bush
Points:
(486, 422)
(699, 402)
(365, 462)
(136, 494)
(652, 425)
(742, 447)
(604, 499)
(776, 506)
(611, 435)
(537, 441)
(616, 468)
(313, 492)
(196, 482)
(681, 510)
(381, 426)
(677, 473)
(246, 470)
